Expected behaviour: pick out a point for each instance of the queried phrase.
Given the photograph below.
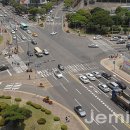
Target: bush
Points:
(63, 127)
(37, 106)
(56, 118)
(18, 99)
(43, 109)
(48, 112)
(29, 103)
(41, 121)
(3, 105)
(2, 122)
(1, 96)
(7, 97)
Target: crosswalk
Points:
(69, 68)
(55, 23)
(17, 63)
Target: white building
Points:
(25, 2)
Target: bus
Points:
(38, 52)
(23, 26)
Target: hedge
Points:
(48, 112)
(29, 103)
(56, 118)
(2, 122)
(43, 109)
(5, 97)
(18, 99)
(63, 127)
(37, 106)
(41, 121)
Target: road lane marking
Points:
(64, 87)
(9, 72)
(66, 79)
(114, 127)
(94, 107)
(77, 102)
(78, 91)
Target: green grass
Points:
(1, 39)
(31, 123)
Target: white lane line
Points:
(78, 91)
(64, 87)
(114, 127)
(77, 101)
(9, 72)
(54, 76)
(66, 79)
(94, 107)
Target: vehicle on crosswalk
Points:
(103, 87)
(1, 15)
(84, 79)
(38, 52)
(13, 32)
(61, 67)
(23, 37)
(33, 42)
(79, 110)
(14, 37)
(121, 85)
(96, 74)
(45, 52)
(29, 32)
(91, 77)
(34, 34)
(3, 68)
(97, 37)
(53, 33)
(23, 26)
(93, 45)
(105, 75)
(58, 74)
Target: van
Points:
(38, 52)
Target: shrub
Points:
(1, 96)
(3, 105)
(56, 118)
(18, 99)
(41, 121)
(63, 127)
(43, 109)
(28, 102)
(37, 106)
(7, 97)
(48, 112)
(2, 122)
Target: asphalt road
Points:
(72, 51)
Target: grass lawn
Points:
(1, 39)
(31, 123)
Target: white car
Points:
(93, 45)
(97, 37)
(104, 88)
(53, 33)
(114, 38)
(51, 20)
(84, 79)
(90, 76)
(13, 32)
(23, 37)
(14, 37)
(45, 51)
(1, 15)
(96, 74)
(29, 32)
(58, 74)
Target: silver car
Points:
(96, 74)
(93, 45)
(104, 88)
(90, 76)
(84, 79)
(58, 74)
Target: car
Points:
(29, 53)
(13, 32)
(3, 68)
(53, 33)
(90, 76)
(105, 75)
(14, 37)
(79, 110)
(5, 15)
(96, 74)
(84, 79)
(51, 11)
(45, 51)
(58, 74)
(121, 41)
(23, 37)
(97, 37)
(114, 38)
(29, 32)
(60, 67)
(51, 20)
(1, 15)
(93, 45)
(121, 85)
(103, 87)
(34, 34)
(112, 85)
(33, 42)
(128, 45)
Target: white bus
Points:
(38, 52)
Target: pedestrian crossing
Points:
(17, 63)
(55, 23)
(74, 68)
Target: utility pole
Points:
(28, 55)
(17, 45)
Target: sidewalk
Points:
(108, 64)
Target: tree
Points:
(33, 11)
(68, 3)
(15, 115)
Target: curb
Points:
(103, 64)
(77, 118)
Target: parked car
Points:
(29, 53)
(121, 85)
(96, 74)
(23, 37)
(45, 51)
(3, 68)
(128, 45)
(33, 42)
(34, 34)
(112, 85)
(105, 75)
(121, 41)
(14, 37)
(93, 45)
(90, 76)
(84, 79)
(13, 32)
(29, 32)
(58, 74)
(103, 87)
(60, 67)
(80, 111)
(97, 37)
(114, 38)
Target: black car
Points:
(33, 42)
(29, 53)
(121, 85)
(80, 111)
(60, 67)
(105, 75)
(2, 68)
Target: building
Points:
(33, 2)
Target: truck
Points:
(121, 98)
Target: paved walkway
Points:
(108, 64)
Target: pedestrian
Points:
(12, 62)
(66, 118)
(29, 77)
